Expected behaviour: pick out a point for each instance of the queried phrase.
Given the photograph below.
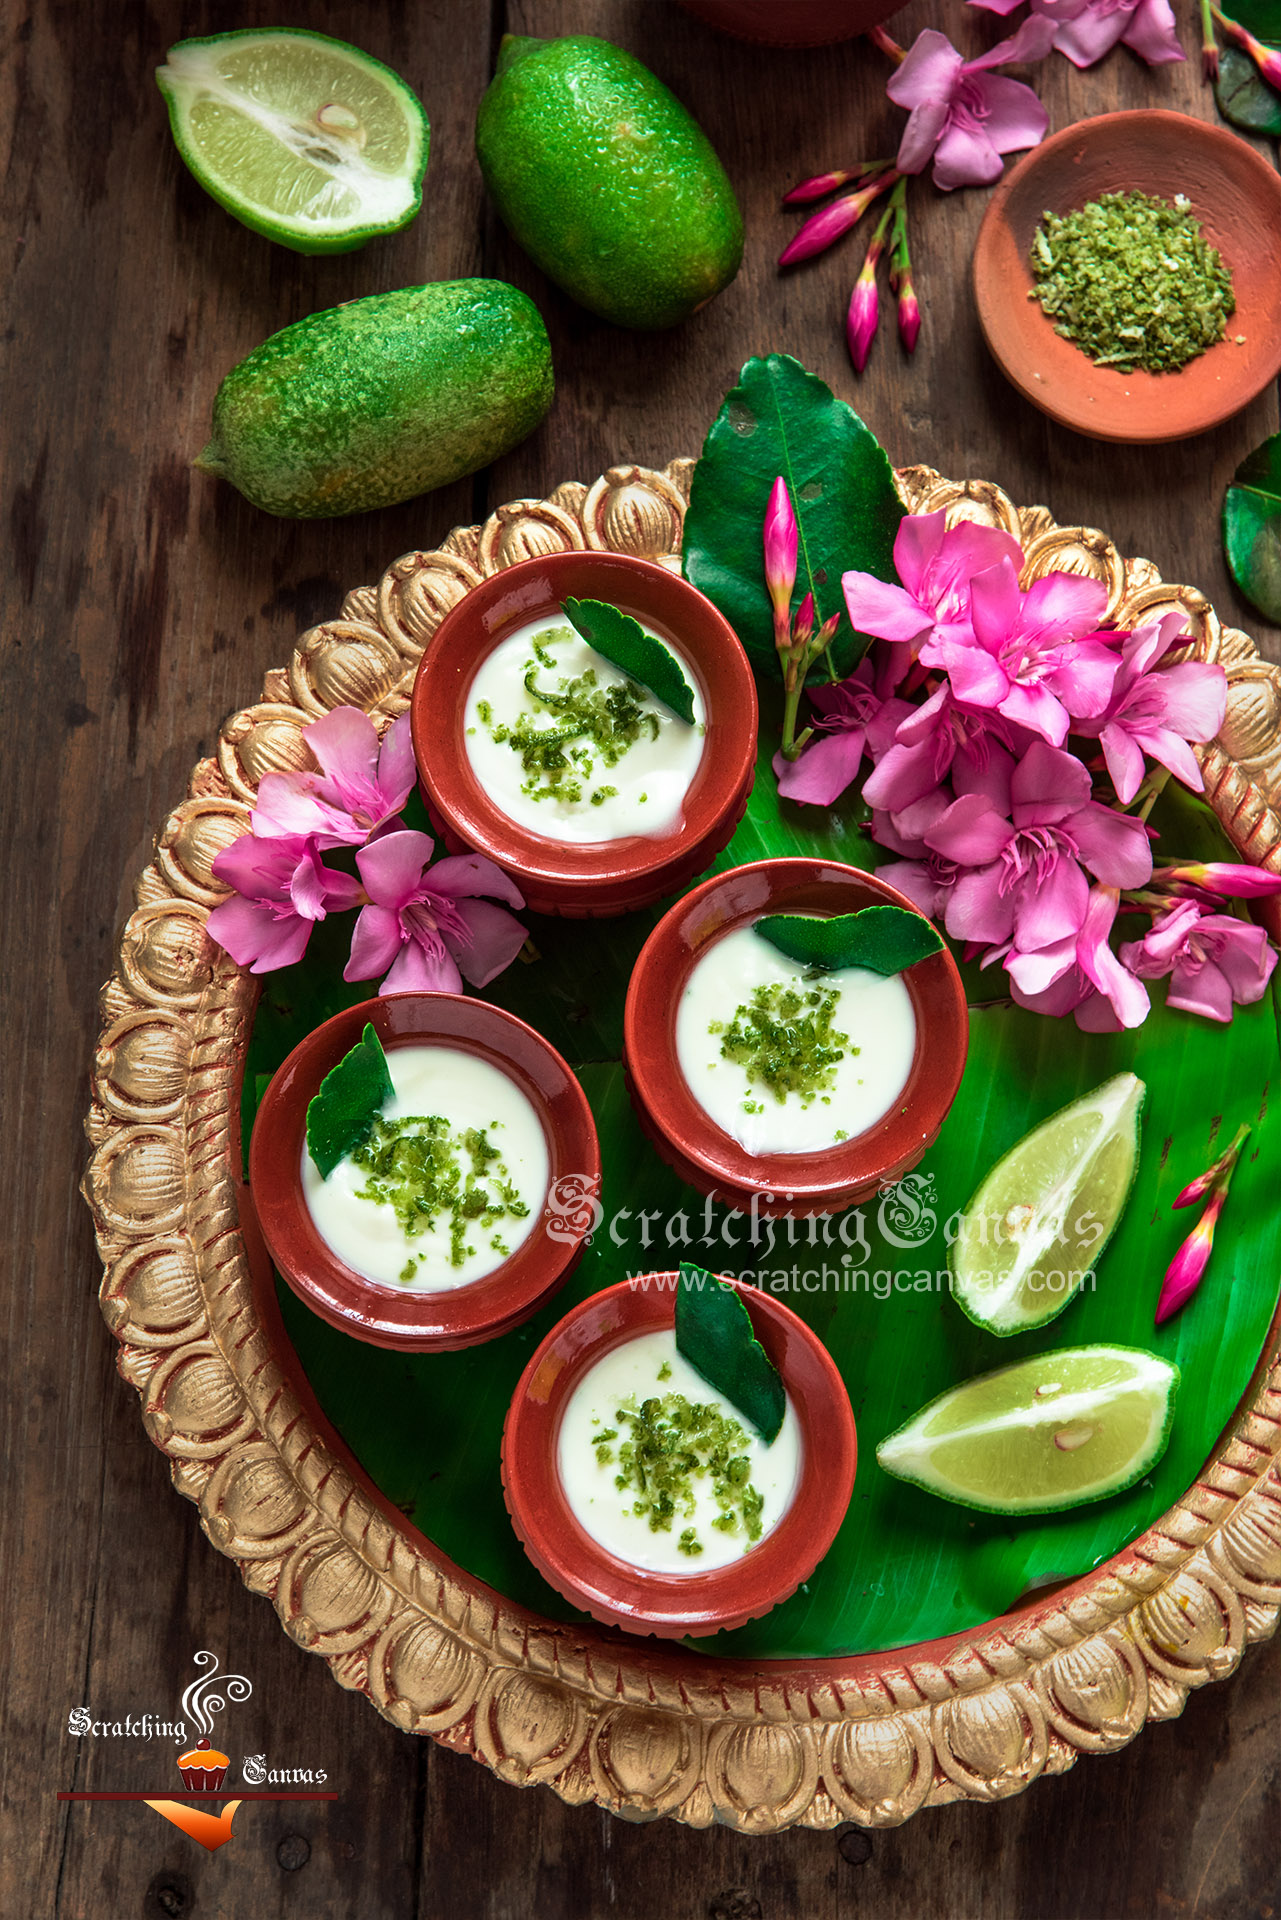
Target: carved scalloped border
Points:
(589, 1713)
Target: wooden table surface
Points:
(142, 603)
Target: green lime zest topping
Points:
(342, 1114)
(669, 1443)
(589, 721)
(884, 940)
(714, 1333)
(1133, 281)
(415, 1166)
(626, 645)
(785, 1041)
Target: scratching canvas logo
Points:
(203, 1808)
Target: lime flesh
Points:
(1041, 1218)
(1051, 1432)
(303, 138)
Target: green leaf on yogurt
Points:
(352, 1095)
(1252, 527)
(882, 939)
(714, 1333)
(626, 645)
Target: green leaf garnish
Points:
(341, 1116)
(714, 1333)
(1252, 527)
(781, 419)
(624, 642)
(882, 939)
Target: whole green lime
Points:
(383, 398)
(606, 180)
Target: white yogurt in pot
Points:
(451, 1183)
(629, 778)
(716, 1517)
(751, 1021)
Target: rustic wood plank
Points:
(142, 603)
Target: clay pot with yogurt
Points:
(627, 832)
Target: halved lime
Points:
(1050, 1432)
(1041, 1218)
(301, 137)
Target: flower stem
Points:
(879, 38)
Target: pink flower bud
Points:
(1219, 1174)
(860, 324)
(803, 625)
(909, 313)
(781, 544)
(1225, 879)
(1184, 1273)
(815, 189)
(827, 226)
(1266, 59)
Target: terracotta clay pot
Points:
(399, 1317)
(679, 1126)
(1234, 193)
(793, 23)
(606, 877)
(613, 1590)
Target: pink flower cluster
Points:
(424, 927)
(1026, 847)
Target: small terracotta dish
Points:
(605, 877)
(613, 1590)
(680, 1127)
(401, 1317)
(1236, 196)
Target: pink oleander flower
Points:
(1025, 839)
(1156, 710)
(1081, 975)
(926, 877)
(935, 563)
(360, 787)
(848, 719)
(426, 925)
(963, 116)
(1217, 1174)
(281, 891)
(1085, 30)
(824, 228)
(1024, 655)
(1266, 59)
(1220, 879)
(927, 742)
(1187, 1269)
(1214, 961)
(782, 541)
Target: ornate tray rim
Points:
(597, 1716)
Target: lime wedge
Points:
(1040, 1220)
(1050, 1432)
(301, 137)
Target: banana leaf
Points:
(905, 1566)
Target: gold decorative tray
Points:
(592, 1713)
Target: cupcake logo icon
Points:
(203, 1767)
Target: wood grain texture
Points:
(142, 602)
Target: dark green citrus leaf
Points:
(1252, 527)
(624, 642)
(351, 1096)
(882, 939)
(1244, 96)
(782, 420)
(714, 1332)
